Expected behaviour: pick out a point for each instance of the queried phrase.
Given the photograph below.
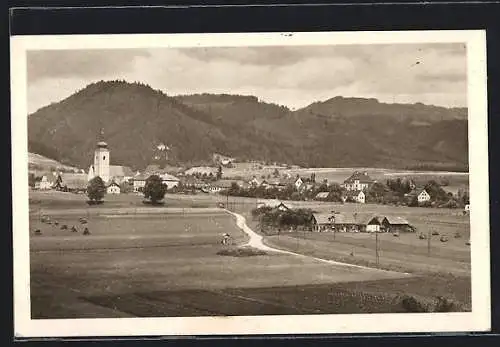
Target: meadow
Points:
(163, 261)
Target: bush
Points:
(445, 305)
(411, 304)
(241, 252)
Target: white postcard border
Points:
(477, 320)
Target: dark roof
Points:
(361, 176)
(322, 218)
(396, 220)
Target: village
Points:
(278, 195)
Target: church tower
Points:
(101, 160)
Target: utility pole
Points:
(376, 248)
(429, 235)
(227, 201)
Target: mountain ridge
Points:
(335, 132)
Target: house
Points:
(423, 196)
(45, 183)
(467, 208)
(373, 225)
(358, 181)
(275, 204)
(322, 222)
(219, 186)
(76, 183)
(305, 187)
(113, 188)
(192, 182)
(395, 224)
(254, 182)
(298, 182)
(168, 180)
(354, 196)
(322, 196)
(120, 173)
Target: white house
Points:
(298, 182)
(423, 196)
(356, 196)
(358, 181)
(254, 182)
(467, 208)
(373, 225)
(43, 184)
(113, 188)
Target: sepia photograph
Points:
(196, 184)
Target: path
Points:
(256, 241)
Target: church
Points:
(108, 173)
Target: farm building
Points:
(355, 196)
(358, 181)
(346, 223)
(113, 188)
(322, 222)
(373, 225)
(395, 224)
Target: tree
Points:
(31, 179)
(219, 172)
(154, 189)
(96, 189)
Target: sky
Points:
(293, 76)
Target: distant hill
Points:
(339, 132)
(40, 163)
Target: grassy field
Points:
(147, 261)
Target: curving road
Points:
(256, 241)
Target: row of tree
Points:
(154, 190)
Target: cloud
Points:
(79, 63)
(293, 76)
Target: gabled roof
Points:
(377, 220)
(396, 220)
(113, 184)
(323, 218)
(361, 176)
(345, 219)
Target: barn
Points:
(395, 224)
(346, 223)
(322, 222)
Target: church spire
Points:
(100, 136)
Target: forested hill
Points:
(339, 132)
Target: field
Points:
(143, 261)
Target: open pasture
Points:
(163, 265)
